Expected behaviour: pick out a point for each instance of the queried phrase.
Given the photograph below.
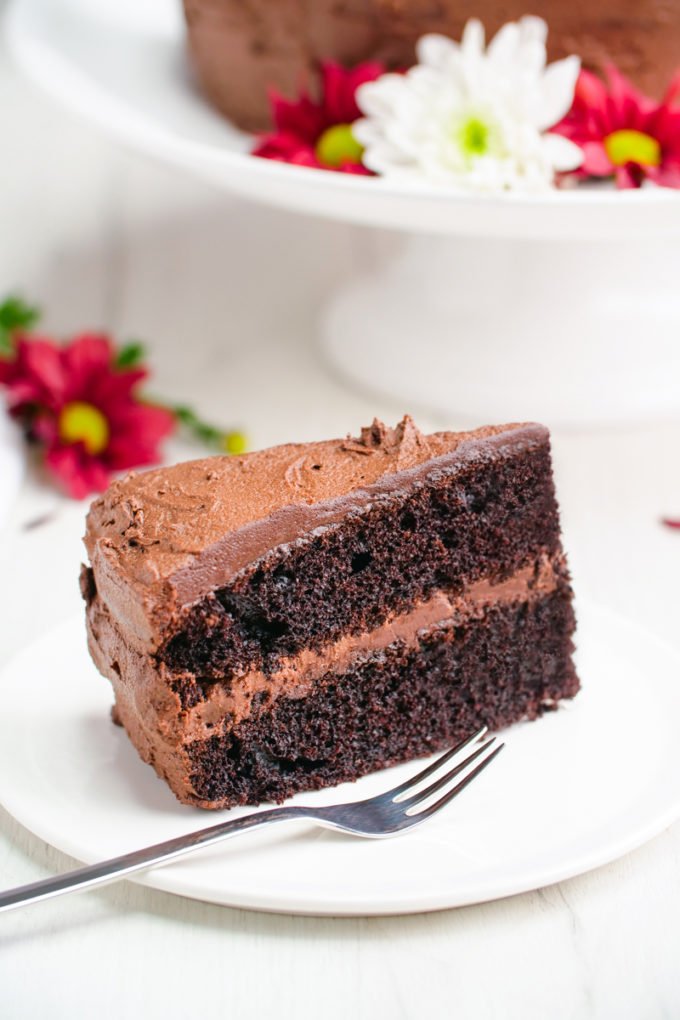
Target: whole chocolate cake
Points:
(242, 48)
(300, 616)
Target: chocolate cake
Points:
(242, 48)
(300, 616)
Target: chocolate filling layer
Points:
(295, 677)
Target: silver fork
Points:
(388, 814)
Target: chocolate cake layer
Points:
(241, 49)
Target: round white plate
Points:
(569, 792)
(123, 67)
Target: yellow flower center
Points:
(84, 423)
(234, 442)
(337, 145)
(629, 146)
(475, 133)
(473, 136)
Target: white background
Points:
(227, 295)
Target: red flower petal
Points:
(287, 148)
(338, 97)
(44, 427)
(664, 124)
(665, 176)
(591, 93)
(37, 375)
(356, 168)
(116, 387)
(673, 90)
(628, 106)
(303, 118)
(339, 88)
(626, 177)
(79, 474)
(135, 440)
(596, 162)
(87, 355)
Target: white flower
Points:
(471, 117)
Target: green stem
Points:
(211, 435)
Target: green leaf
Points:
(15, 314)
(185, 416)
(130, 354)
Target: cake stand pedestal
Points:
(561, 331)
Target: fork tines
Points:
(419, 797)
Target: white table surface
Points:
(226, 294)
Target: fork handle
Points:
(138, 860)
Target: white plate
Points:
(571, 791)
(122, 66)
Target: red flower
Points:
(319, 134)
(83, 409)
(623, 133)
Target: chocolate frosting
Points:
(241, 49)
(160, 540)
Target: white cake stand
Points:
(563, 307)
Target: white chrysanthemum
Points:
(473, 117)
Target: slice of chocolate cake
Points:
(300, 616)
